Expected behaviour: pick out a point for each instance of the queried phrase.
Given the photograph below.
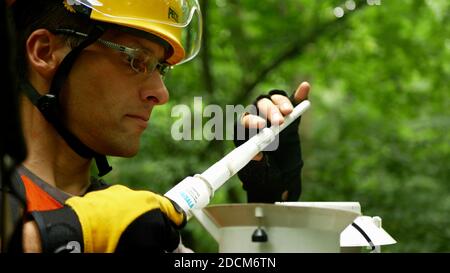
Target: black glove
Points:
(277, 177)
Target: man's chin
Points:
(127, 153)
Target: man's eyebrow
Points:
(138, 44)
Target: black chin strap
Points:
(49, 104)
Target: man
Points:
(92, 75)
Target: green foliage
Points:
(378, 129)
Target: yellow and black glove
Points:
(116, 219)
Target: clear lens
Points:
(143, 63)
(191, 37)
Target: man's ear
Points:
(45, 52)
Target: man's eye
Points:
(128, 58)
(140, 64)
(132, 62)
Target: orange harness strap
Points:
(37, 198)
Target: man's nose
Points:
(154, 90)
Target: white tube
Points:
(224, 169)
(196, 192)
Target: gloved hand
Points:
(274, 175)
(116, 219)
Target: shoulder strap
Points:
(37, 198)
(18, 190)
(35, 187)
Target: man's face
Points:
(107, 104)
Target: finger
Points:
(283, 103)
(302, 92)
(270, 111)
(258, 157)
(253, 121)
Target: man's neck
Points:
(73, 180)
(50, 157)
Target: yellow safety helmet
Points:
(178, 22)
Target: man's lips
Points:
(143, 117)
(140, 119)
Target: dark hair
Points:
(30, 15)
